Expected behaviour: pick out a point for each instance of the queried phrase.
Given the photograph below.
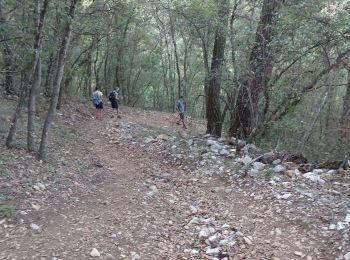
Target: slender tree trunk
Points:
(58, 78)
(231, 96)
(18, 112)
(36, 82)
(254, 83)
(48, 75)
(172, 32)
(345, 122)
(60, 95)
(214, 120)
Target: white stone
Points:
(340, 226)
(34, 226)
(275, 162)
(347, 256)
(298, 253)
(135, 256)
(194, 210)
(347, 218)
(253, 172)
(332, 227)
(213, 251)
(247, 160)
(215, 148)
(194, 252)
(224, 152)
(213, 240)
(225, 226)
(284, 196)
(278, 232)
(279, 168)
(153, 191)
(332, 172)
(317, 171)
(95, 253)
(314, 177)
(194, 221)
(258, 166)
(211, 142)
(247, 241)
(203, 234)
(149, 140)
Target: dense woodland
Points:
(272, 72)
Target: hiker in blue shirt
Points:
(181, 110)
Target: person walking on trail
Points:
(181, 110)
(114, 99)
(97, 99)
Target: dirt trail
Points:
(135, 206)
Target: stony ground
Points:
(141, 187)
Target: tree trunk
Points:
(36, 77)
(18, 112)
(231, 95)
(214, 120)
(58, 78)
(345, 121)
(178, 73)
(254, 83)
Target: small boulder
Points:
(279, 168)
(95, 253)
(224, 152)
(258, 166)
(34, 226)
(314, 177)
(213, 251)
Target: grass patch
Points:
(7, 210)
(269, 173)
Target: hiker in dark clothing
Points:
(181, 110)
(114, 99)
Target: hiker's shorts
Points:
(182, 115)
(99, 106)
(114, 104)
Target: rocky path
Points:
(133, 201)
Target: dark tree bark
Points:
(345, 123)
(214, 120)
(176, 56)
(231, 95)
(58, 78)
(254, 84)
(36, 77)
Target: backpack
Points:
(96, 99)
(112, 96)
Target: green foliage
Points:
(129, 44)
(7, 210)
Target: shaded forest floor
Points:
(141, 187)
